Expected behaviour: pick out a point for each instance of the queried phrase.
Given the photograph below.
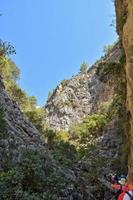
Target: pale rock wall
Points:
(81, 95)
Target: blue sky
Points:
(53, 37)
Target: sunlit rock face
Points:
(124, 11)
(20, 134)
(74, 99)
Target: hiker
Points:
(119, 186)
(115, 178)
(128, 195)
(116, 181)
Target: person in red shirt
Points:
(128, 195)
(120, 187)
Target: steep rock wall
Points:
(20, 134)
(124, 11)
(83, 94)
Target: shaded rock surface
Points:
(124, 11)
(20, 134)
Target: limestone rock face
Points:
(20, 133)
(124, 10)
(81, 95)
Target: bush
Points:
(84, 67)
(62, 135)
(60, 147)
(108, 48)
(36, 116)
(64, 82)
(36, 177)
(65, 153)
(91, 125)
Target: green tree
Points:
(49, 94)
(6, 48)
(83, 67)
(36, 116)
(108, 48)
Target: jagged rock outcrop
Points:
(20, 134)
(81, 95)
(124, 11)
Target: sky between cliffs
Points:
(53, 37)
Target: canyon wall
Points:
(124, 12)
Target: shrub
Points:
(64, 82)
(84, 67)
(104, 107)
(36, 177)
(50, 136)
(36, 116)
(90, 125)
(65, 153)
(60, 147)
(62, 136)
(108, 48)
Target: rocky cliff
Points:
(17, 133)
(101, 90)
(83, 94)
(124, 11)
(72, 167)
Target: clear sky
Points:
(53, 37)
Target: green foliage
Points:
(64, 82)
(60, 146)
(84, 67)
(93, 171)
(36, 177)
(91, 125)
(36, 116)
(50, 135)
(9, 71)
(6, 48)
(95, 121)
(56, 137)
(10, 74)
(28, 104)
(106, 70)
(62, 135)
(104, 108)
(91, 162)
(65, 153)
(108, 48)
(49, 94)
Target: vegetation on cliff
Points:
(73, 159)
